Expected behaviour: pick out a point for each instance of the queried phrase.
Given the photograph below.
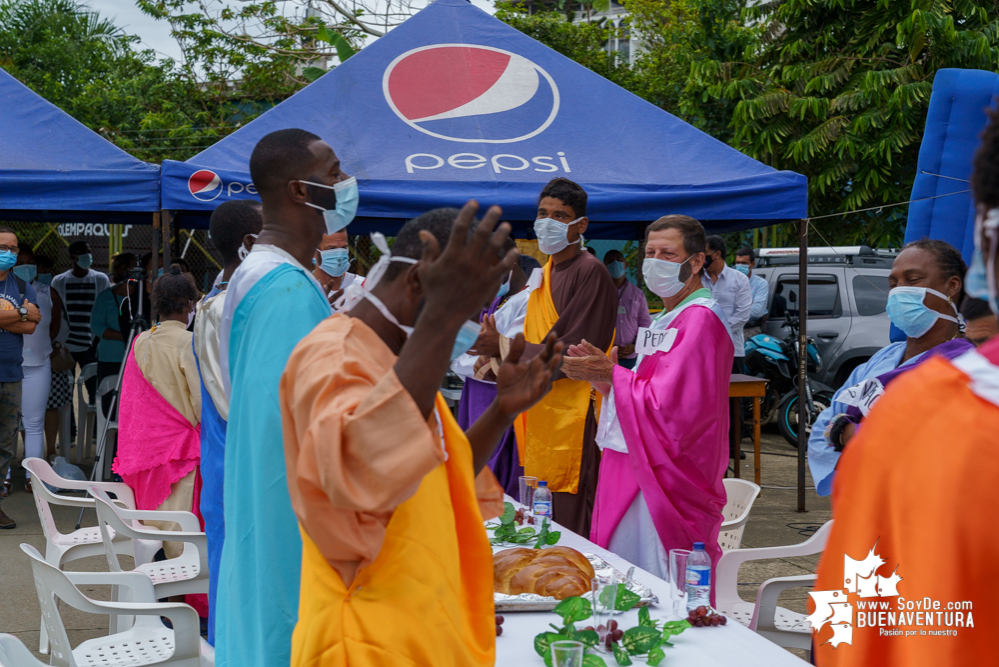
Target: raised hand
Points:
(521, 384)
(587, 362)
(459, 279)
(488, 342)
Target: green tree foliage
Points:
(838, 90)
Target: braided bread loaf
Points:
(557, 572)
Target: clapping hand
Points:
(488, 342)
(521, 384)
(589, 363)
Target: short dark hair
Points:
(120, 265)
(716, 243)
(691, 229)
(568, 192)
(438, 222)
(746, 252)
(280, 157)
(76, 248)
(43, 260)
(612, 255)
(975, 309)
(172, 291)
(985, 174)
(948, 259)
(231, 221)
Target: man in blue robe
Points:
(273, 302)
(233, 228)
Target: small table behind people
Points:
(747, 386)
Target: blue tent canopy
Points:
(455, 104)
(53, 168)
(955, 120)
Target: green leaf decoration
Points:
(509, 512)
(574, 609)
(313, 73)
(626, 600)
(640, 639)
(553, 537)
(621, 655)
(671, 628)
(591, 660)
(588, 637)
(543, 642)
(656, 656)
(645, 619)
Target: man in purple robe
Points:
(664, 425)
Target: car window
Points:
(823, 297)
(871, 293)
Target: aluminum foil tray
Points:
(532, 602)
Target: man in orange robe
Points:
(396, 566)
(911, 501)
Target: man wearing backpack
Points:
(18, 316)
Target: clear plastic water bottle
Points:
(543, 501)
(698, 578)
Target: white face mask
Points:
(662, 276)
(355, 293)
(243, 252)
(190, 315)
(553, 236)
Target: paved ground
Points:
(774, 521)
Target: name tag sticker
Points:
(537, 277)
(863, 396)
(621, 310)
(650, 341)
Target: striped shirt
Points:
(78, 295)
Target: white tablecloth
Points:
(724, 646)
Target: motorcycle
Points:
(777, 361)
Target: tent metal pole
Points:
(167, 235)
(802, 357)
(156, 240)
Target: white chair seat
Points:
(132, 648)
(785, 620)
(81, 536)
(183, 568)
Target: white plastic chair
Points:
(740, 496)
(147, 642)
(107, 386)
(65, 420)
(15, 654)
(86, 411)
(779, 625)
(61, 548)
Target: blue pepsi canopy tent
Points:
(955, 120)
(55, 169)
(455, 104)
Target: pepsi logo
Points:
(471, 93)
(204, 185)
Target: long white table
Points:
(725, 646)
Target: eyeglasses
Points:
(14, 249)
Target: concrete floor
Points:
(774, 521)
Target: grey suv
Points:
(847, 294)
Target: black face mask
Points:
(708, 261)
(325, 197)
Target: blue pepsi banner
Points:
(54, 168)
(455, 104)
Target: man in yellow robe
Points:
(396, 567)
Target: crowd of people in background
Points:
(295, 408)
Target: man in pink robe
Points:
(664, 426)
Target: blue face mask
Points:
(504, 288)
(742, 268)
(85, 260)
(45, 278)
(907, 311)
(26, 272)
(616, 269)
(467, 335)
(347, 198)
(7, 260)
(335, 262)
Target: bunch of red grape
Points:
(519, 518)
(613, 633)
(499, 625)
(704, 617)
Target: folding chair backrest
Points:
(15, 654)
(740, 494)
(108, 517)
(42, 473)
(49, 583)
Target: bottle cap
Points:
(542, 483)
(699, 546)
